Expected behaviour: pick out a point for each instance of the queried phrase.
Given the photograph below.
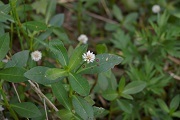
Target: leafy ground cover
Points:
(90, 59)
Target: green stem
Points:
(80, 66)
(6, 102)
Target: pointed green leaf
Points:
(110, 95)
(55, 73)
(82, 108)
(57, 47)
(4, 17)
(61, 95)
(4, 45)
(163, 105)
(176, 114)
(26, 109)
(35, 25)
(50, 9)
(65, 114)
(19, 59)
(79, 84)
(175, 102)
(57, 20)
(121, 84)
(117, 13)
(76, 57)
(102, 63)
(13, 74)
(38, 74)
(134, 87)
(125, 106)
(100, 112)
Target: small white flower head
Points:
(36, 55)
(89, 57)
(5, 60)
(83, 38)
(156, 8)
(1, 108)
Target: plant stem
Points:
(38, 91)
(17, 21)
(6, 102)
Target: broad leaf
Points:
(76, 57)
(79, 84)
(19, 59)
(54, 73)
(35, 25)
(134, 87)
(26, 109)
(13, 74)
(57, 47)
(82, 108)
(61, 95)
(102, 63)
(4, 45)
(110, 95)
(65, 114)
(100, 112)
(50, 9)
(125, 106)
(38, 74)
(175, 102)
(163, 105)
(121, 84)
(57, 20)
(176, 114)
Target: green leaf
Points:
(26, 109)
(76, 57)
(127, 96)
(57, 47)
(79, 84)
(117, 12)
(55, 73)
(82, 108)
(4, 46)
(57, 20)
(102, 63)
(19, 59)
(134, 87)
(61, 95)
(101, 48)
(35, 25)
(122, 83)
(4, 17)
(100, 112)
(61, 33)
(13, 74)
(65, 114)
(38, 74)
(163, 105)
(175, 102)
(125, 106)
(176, 114)
(110, 95)
(103, 79)
(50, 9)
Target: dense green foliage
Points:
(134, 75)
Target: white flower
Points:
(36, 55)
(89, 57)
(5, 119)
(83, 38)
(156, 8)
(1, 108)
(5, 60)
